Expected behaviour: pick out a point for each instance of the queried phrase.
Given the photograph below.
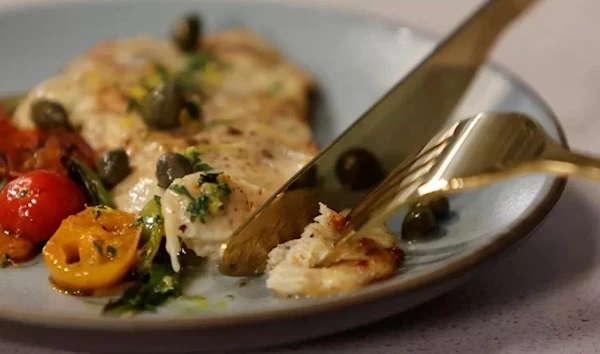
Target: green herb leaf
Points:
(159, 284)
(161, 70)
(111, 251)
(199, 208)
(98, 247)
(133, 105)
(197, 61)
(193, 155)
(181, 190)
(137, 222)
(5, 260)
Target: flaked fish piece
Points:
(290, 267)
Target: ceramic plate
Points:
(355, 60)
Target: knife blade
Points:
(388, 135)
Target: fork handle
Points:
(569, 163)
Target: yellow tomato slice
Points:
(93, 249)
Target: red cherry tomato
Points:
(32, 206)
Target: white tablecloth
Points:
(545, 297)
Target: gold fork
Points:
(471, 154)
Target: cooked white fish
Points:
(253, 124)
(290, 266)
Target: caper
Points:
(439, 205)
(49, 115)
(418, 223)
(358, 169)
(163, 106)
(186, 32)
(171, 166)
(113, 166)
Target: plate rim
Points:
(503, 243)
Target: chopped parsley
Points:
(192, 154)
(96, 211)
(137, 222)
(197, 61)
(111, 251)
(98, 246)
(199, 208)
(154, 287)
(179, 189)
(133, 105)
(5, 260)
(210, 202)
(161, 70)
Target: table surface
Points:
(545, 297)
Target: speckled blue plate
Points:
(355, 60)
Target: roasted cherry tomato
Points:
(14, 249)
(23, 150)
(32, 206)
(93, 249)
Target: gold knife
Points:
(388, 135)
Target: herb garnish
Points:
(98, 247)
(155, 287)
(210, 202)
(137, 222)
(111, 251)
(5, 260)
(197, 61)
(198, 207)
(193, 155)
(96, 211)
(133, 105)
(156, 282)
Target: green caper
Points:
(186, 32)
(439, 205)
(49, 115)
(418, 223)
(358, 169)
(171, 166)
(113, 166)
(163, 106)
